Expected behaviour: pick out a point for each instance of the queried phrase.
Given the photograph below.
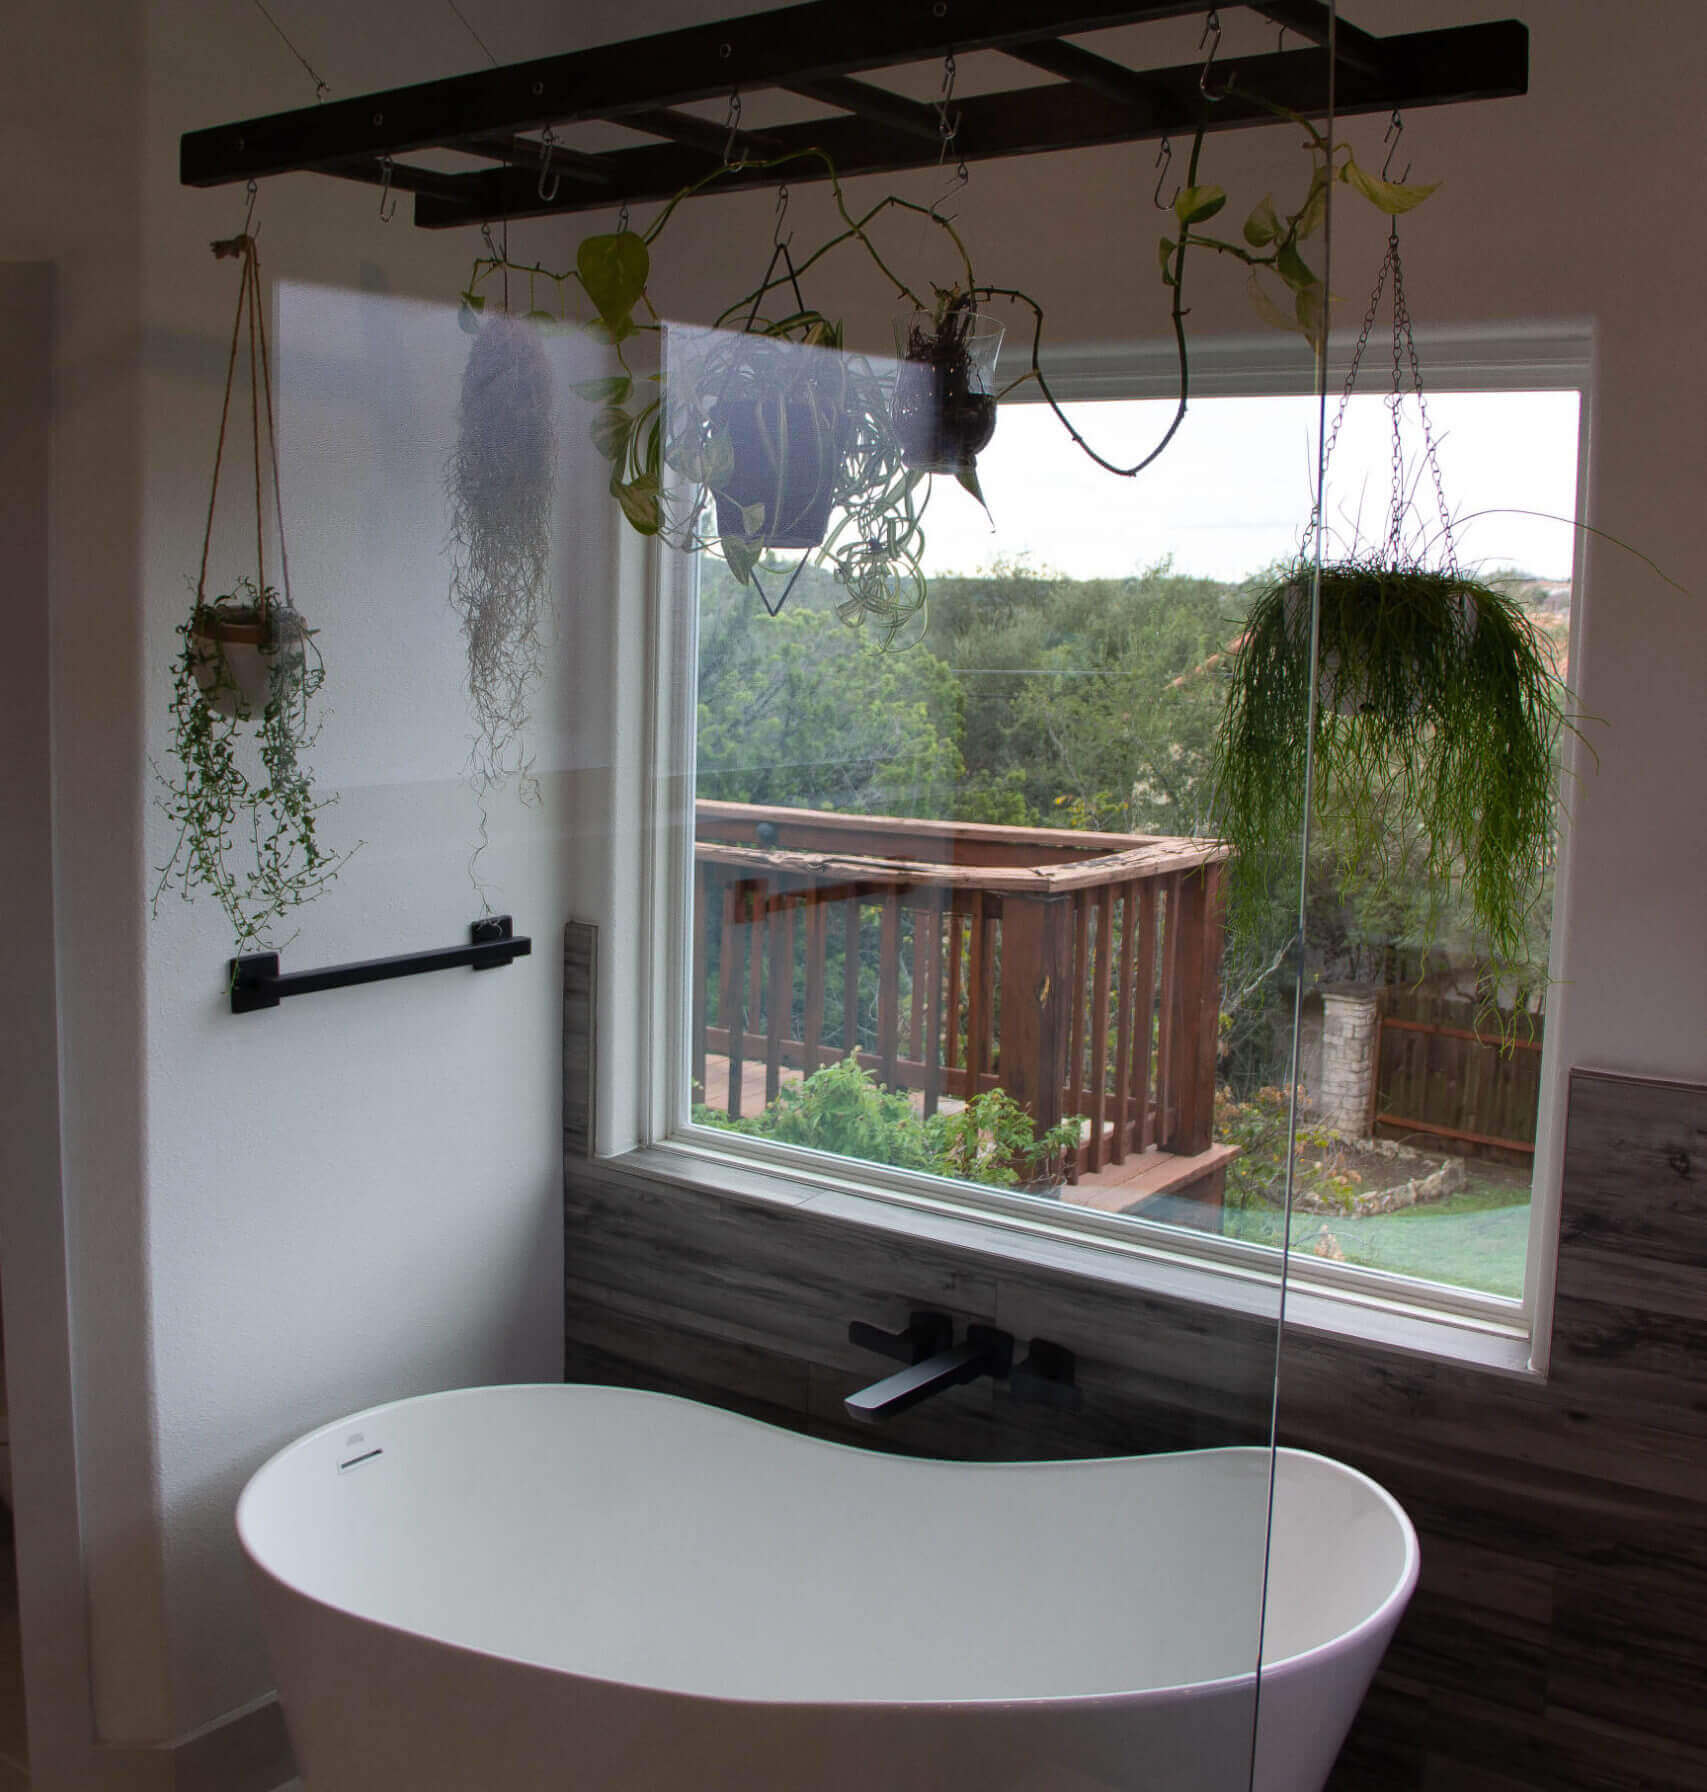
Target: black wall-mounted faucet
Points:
(934, 1362)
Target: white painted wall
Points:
(270, 1220)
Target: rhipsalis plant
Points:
(1437, 720)
(1411, 706)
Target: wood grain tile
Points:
(1558, 1638)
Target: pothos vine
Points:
(650, 424)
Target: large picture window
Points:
(957, 900)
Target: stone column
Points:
(1349, 1016)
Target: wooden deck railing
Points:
(1079, 972)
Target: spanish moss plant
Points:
(241, 795)
(499, 483)
(1437, 710)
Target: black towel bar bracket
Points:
(257, 982)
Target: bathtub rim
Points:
(1344, 1643)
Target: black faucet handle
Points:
(926, 1335)
(996, 1348)
(1046, 1377)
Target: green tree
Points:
(802, 711)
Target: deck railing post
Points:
(1193, 1011)
(1037, 948)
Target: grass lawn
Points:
(1475, 1239)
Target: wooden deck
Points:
(1129, 1187)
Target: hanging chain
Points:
(1402, 322)
(1369, 316)
(947, 123)
(1404, 361)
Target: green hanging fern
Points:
(1438, 712)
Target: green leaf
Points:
(1292, 268)
(610, 431)
(753, 519)
(1315, 208)
(1388, 196)
(1312, 313)
(640, 503)
(468, 315)
(1265, 307)
(614, 390)
(717, 459)
(1263, 225)
(1164, 254)
(742, 556)
(1197, 203)
(613, 270)
(474, 301)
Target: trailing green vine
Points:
(241, 795)
(243, 804)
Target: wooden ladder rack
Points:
(819, 51)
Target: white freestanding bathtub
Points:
(589, 1589)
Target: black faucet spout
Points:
(985, 1352)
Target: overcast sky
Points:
(1233, 489)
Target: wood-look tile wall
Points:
(1558, 1638)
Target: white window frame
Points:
(650, 899)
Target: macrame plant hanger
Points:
(251, 311)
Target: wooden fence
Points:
(1471, 1088)
(1079, 972)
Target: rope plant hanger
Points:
(1433, 704)
(243, 803)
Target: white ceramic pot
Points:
(238, 671)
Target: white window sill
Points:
(1384, 1312)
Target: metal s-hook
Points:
(622, 220)
(249, 191)
(386, 212)
(1395, 130)
(778, 240)
(958, 183)
(1211, 24)
(734, 123)
(1164, 161)
(546, 141)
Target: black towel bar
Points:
(257, 982)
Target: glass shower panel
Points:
(954, 922)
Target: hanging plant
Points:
(1426, 721)
(1437, 713)
(499, 483)
(244, 683)
(755, 439)
(945, 388)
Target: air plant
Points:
(499, 482)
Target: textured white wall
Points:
(270, 1220)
